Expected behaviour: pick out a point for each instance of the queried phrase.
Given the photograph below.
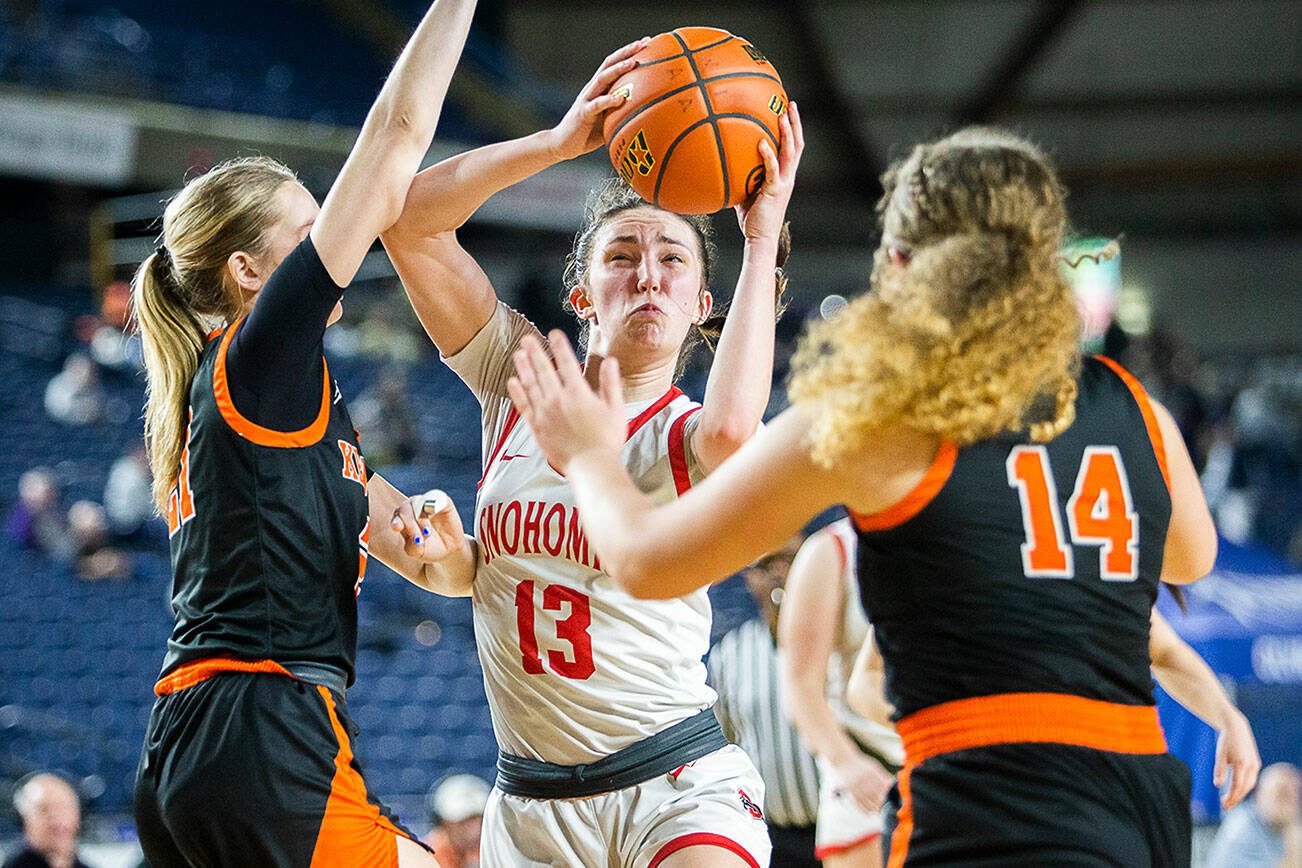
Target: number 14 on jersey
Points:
(1100, 512)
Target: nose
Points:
(648, 275)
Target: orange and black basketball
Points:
(699, 102)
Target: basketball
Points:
(699, 102)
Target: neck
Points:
(640, 384)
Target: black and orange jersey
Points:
(268, 528)
(1020, 567)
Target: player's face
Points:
(298, 212)
(644, 284)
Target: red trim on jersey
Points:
(1019, 718)
(921, 495)
(253, 432)
(834, 849)
(201, 670)
(1146, 410)
(213, 335)
(903, 821)
(512, 416)
(702, 839)
(678, 452)
(645, 416)
(842, 552)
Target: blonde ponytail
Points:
(173, 340)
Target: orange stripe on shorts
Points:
(201, 670)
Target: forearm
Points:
(741, 375)
(443, 197)
(404, 106)
(805, 703)
(1190, 682)
(452, 576)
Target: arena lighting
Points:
(832, 305)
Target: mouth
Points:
(648, 308)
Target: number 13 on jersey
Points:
(1101, 513)
(573, 628)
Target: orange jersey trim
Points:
(921, 495)
(353, 831)
(903, 821)
(201, 670)
(1146, 410)
(253, 432)
(1018, 718)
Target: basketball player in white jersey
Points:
(610, 754)
(856, 757)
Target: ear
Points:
(246, 272)
(704, 307)
(582, 303)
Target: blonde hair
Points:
(186, 282)
(978, 333)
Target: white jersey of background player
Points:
(575, 670)
(822, 589)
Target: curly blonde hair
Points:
(969, 329)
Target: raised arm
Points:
(368, 195)
(1191, 682)
(811, 602)
(772, 483)
(741, 376)
(450, 293)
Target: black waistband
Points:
(319, 673)
(649, 758)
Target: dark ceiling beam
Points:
(1000, 86)
(387, 31)
(824, 102)
(1186, 171)
(1269, 97)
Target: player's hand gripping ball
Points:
(687, 136)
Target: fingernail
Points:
(417, 541)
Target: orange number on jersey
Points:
(1044, 555)
(1099, 513)
(180, 503)
(573, 628)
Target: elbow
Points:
(639, 581)
(721, 440)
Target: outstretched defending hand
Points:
(430, 526)
(568, 418)
(580, 130)
(761, 216)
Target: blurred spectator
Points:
(95, 558)
(457, 812)
(128, 497)
(73, 396)
(386, 422)
(37, 521)
(1266, 830)
(51, 815)
(385, 333)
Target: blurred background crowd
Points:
(1176, 125)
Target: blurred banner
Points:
(1245, 619)
(59, 141)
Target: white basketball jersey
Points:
(574, 668)
(851, 632)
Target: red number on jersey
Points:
(573, 628)
(180, 503)
(1100, 513)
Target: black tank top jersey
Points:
(1002, 583)
(268, 529)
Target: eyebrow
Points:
(632, 239)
